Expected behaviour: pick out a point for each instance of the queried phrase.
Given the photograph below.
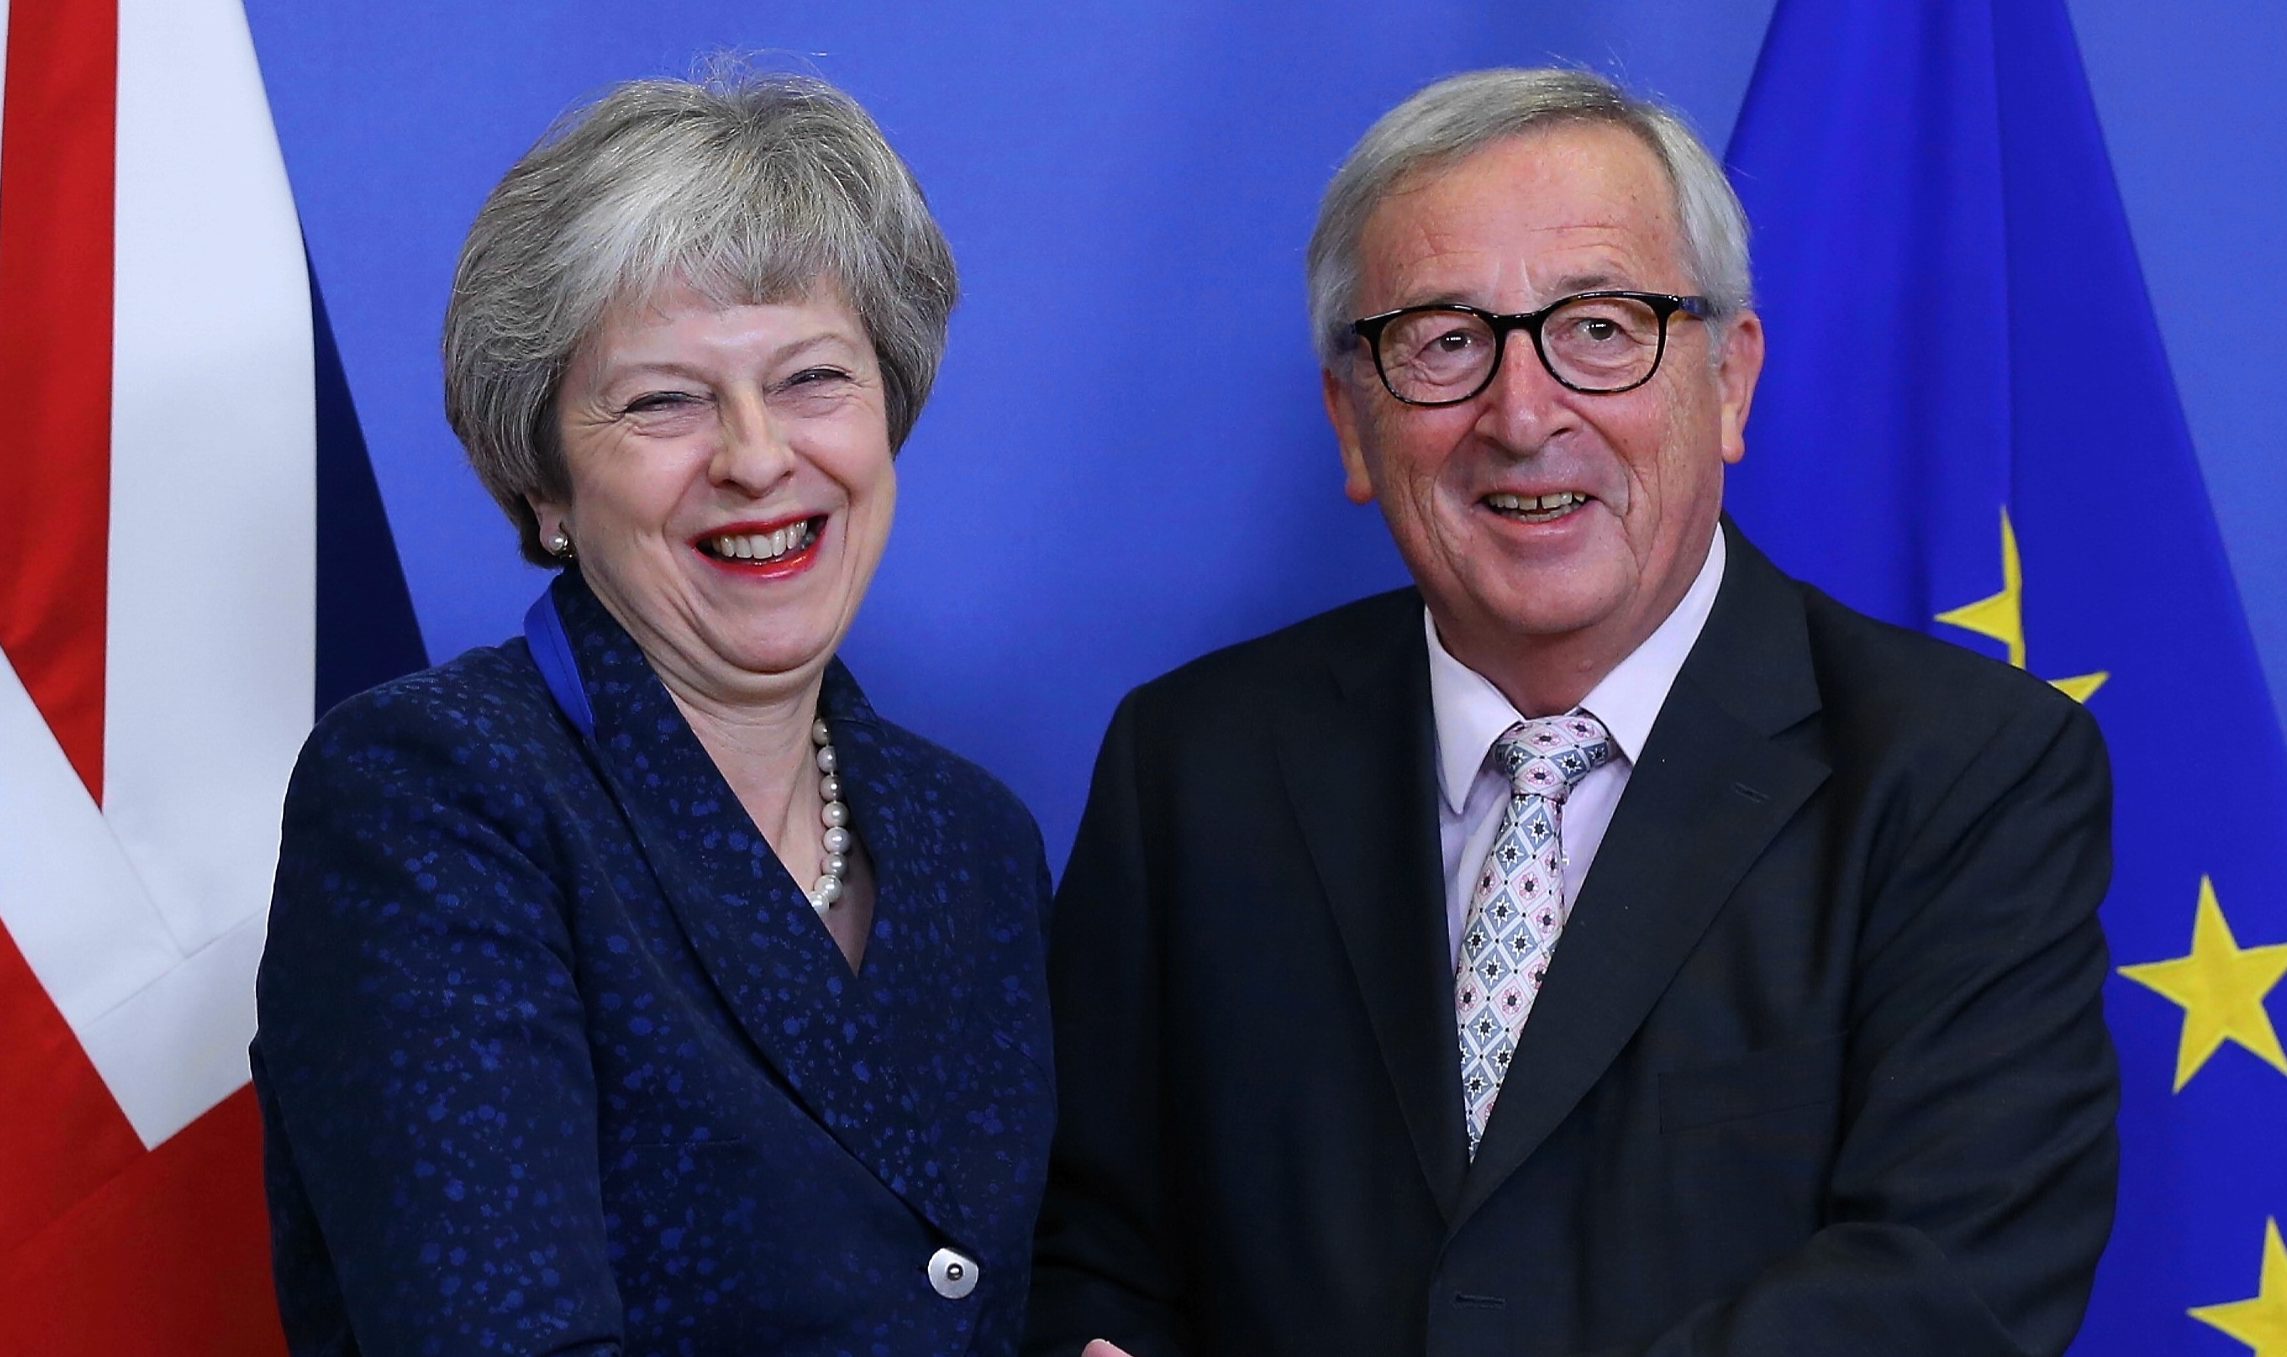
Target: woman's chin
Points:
(769, 665)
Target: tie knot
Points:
(1546, 755)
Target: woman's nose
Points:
(753, 450)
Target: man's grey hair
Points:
(1455, 117)
(749, 188)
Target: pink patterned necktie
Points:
(1518, 906)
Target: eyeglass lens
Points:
(1593, 343)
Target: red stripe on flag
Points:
(57, 140)
(61, 1135)
(172, 1256)
(106, 1248)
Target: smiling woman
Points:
(630, 986)
(729, 489)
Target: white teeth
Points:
(763, 546)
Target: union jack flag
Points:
(175, 447)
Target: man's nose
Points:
(753, 448)
(1524, 404)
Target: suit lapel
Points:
(829, 1034)
(1713, 787)
(1359, 764)
(921, 956)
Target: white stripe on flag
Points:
(3, 65)
(178, 1046)
(211, 664)
(68, 896)
(166, 1031)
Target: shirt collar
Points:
(1470, 713)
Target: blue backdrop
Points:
(1099, 491)
(1094, 496)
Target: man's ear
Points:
(1735, 377)
(1342, 412)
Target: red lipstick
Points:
(805, 534)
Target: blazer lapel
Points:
(1358, 759)
(921, 955)
(1713, 787)
(828, 1033)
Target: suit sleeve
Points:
(1104, 1265)
(1973, 1185)
(425, 1079)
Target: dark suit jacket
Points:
(555, 1058)
(1819, 1067)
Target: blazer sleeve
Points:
(1972, 1190)
(1103, 1260)
(429, 1098)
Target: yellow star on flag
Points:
(2221, 987)
(2001, 617)
(2260, 1321)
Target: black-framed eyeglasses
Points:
(1598, 343)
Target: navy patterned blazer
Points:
(555, 1058)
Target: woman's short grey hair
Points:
(1452, 118)
(749, 188)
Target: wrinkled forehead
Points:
(687, 316)
(1588, 202)
(650, 302)
(722, 279)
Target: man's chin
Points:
(1524, 616)
(1551, 602)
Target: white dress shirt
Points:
(1471, 714)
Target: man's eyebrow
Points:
(1562, 287)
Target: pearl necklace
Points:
(835, 864)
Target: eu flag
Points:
(1968, 425)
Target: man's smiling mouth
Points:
(1536, 508)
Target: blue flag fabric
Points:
(367, 633)
(1967, 425)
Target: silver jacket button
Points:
(952, 1273)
